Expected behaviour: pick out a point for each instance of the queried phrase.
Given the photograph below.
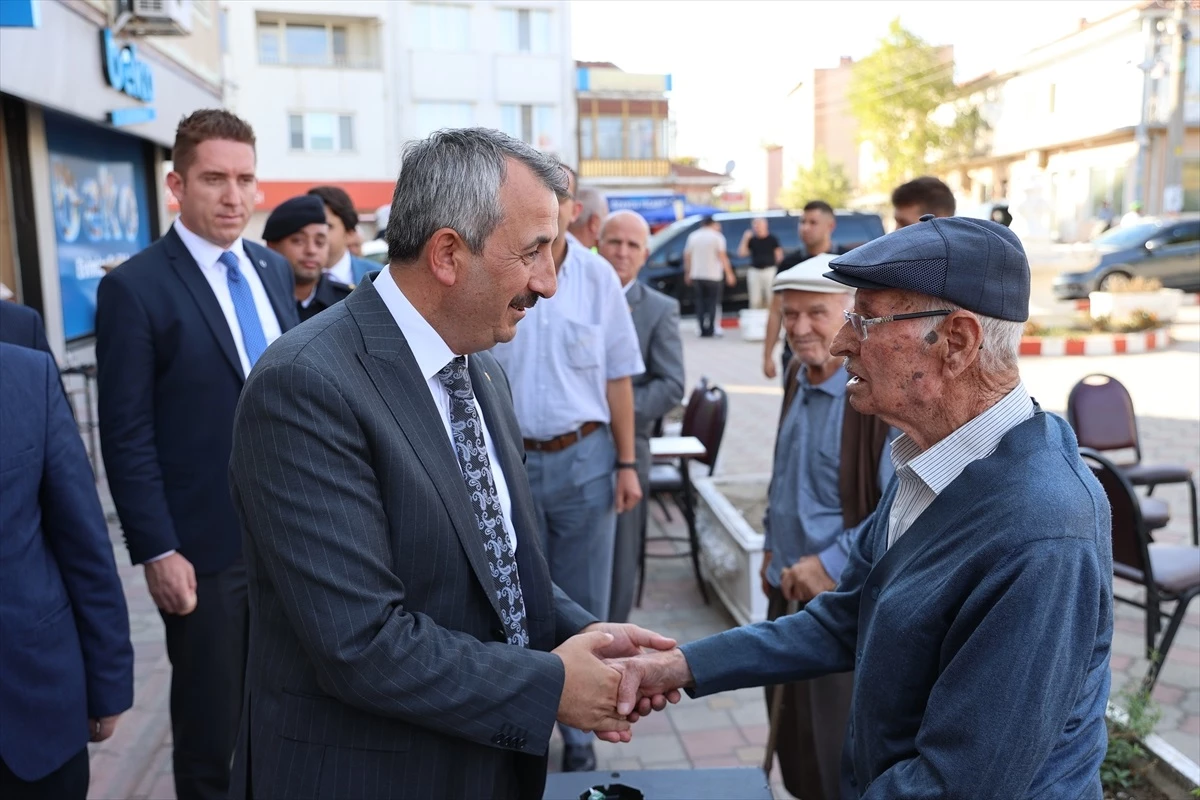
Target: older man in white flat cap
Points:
(829, 473)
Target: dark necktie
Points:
(467, 431)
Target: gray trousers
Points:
(631, 531)
(573, 498)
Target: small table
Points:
(677, 447)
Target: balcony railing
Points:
(333, 62)
(624, 168)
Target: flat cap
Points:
(809, 276)
(977, 264)
(292, 215)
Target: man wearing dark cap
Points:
(297, 230)
(976, 608)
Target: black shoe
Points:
(578, 758)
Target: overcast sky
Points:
(731, 60)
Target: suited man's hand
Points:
(650, 675)
(103, 728)
(632, 640)
(629, 490)
(172, 584)
(589, 695)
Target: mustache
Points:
(525, 300)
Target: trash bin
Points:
(744, 783)
(752, 322)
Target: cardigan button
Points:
(874, 592)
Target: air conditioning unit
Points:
(153, 17)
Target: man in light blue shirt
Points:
(570, 367)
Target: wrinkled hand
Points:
(762, 572)
(649, 676)
(172, 584)
(806, 579)
(103, 727)
(590, 686)
(629, 640)
(629, 490)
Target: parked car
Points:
(1164, 248)
(995, 211)
(664, 265)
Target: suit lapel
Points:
(531, 561)
(197, 285)
(394, 371)
(283, 305)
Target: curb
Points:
(1096, 344)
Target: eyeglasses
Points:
(860, 323)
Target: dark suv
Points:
(1164, 248)
(664, 266)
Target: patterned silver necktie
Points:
(477, 471)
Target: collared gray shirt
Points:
(569, 346)
(804, 503)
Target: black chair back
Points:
(707, 414)
(1100, 410)
(1130, 539)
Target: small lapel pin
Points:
(486, 375)
(262, 263)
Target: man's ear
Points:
(963, 339)
(443, 254)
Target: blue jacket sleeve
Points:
(76, 532)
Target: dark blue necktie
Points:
(253, 338)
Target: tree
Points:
(825, 180)
(893, 94)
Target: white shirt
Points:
(206, 255)
(343, 271)
(923, 476)
(706, 245)
(432, 354)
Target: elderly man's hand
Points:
(806, 579)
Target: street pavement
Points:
(731, 729)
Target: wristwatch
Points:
(627, 465)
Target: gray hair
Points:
(452, 180)
(594, 203)
(1001, 337)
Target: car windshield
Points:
(666, 233)
(1126, 236)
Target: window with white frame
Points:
(321, 132)
(307, 45)
(524, 30)
(532, 124)
(438, 26)
(432, 117)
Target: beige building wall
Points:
(835, 129)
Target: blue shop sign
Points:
(99, 191)
(639, 203)
(129, 75)
(20, 14)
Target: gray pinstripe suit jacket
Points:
(377, 666)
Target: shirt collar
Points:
(427, 345)
(206, 253)
(938, 466)
(834, 385)
(342, 265)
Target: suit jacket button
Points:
(874, 592)
(497, 739)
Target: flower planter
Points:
(730, 547)
(1119, 307)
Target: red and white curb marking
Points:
(1096, 344)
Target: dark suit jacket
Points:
(660, 388)
(22, 325)
(378, 666)
(329, 292)
(169, 380)
(65, 654)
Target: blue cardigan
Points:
(979, 642)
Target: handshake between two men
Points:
(616, 674)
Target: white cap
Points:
(809, 276)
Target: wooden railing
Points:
(624, 168)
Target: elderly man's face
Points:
(623, 244)
(811, 320)
(760, 228)
(515, 267)
(895, 374)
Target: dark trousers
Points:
(708, 297)
(68, 782)
(207, 649)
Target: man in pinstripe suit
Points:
(401, 608)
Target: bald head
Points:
(623, 242)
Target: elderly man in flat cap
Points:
(829, 473)
(976, 608)
(298, 231)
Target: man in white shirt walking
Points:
(705, 263)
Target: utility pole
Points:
(1173, 174)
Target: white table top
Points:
(677, 447)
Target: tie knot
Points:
(230, 260)
(455, 378)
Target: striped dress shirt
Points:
(923, 476)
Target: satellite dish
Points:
(729, 165)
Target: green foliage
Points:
(1125, 761)
(893, 94)
(824, 181)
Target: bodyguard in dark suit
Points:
(22, 325)
(66, 664)
(623, 239)
(297, 230)
(178, 327)
(402, 611)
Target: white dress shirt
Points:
(432, 354)
(923, 476)
(206, 255)
(342, 271)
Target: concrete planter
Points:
(752, 322)
(1119, 307)
(730, 548)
